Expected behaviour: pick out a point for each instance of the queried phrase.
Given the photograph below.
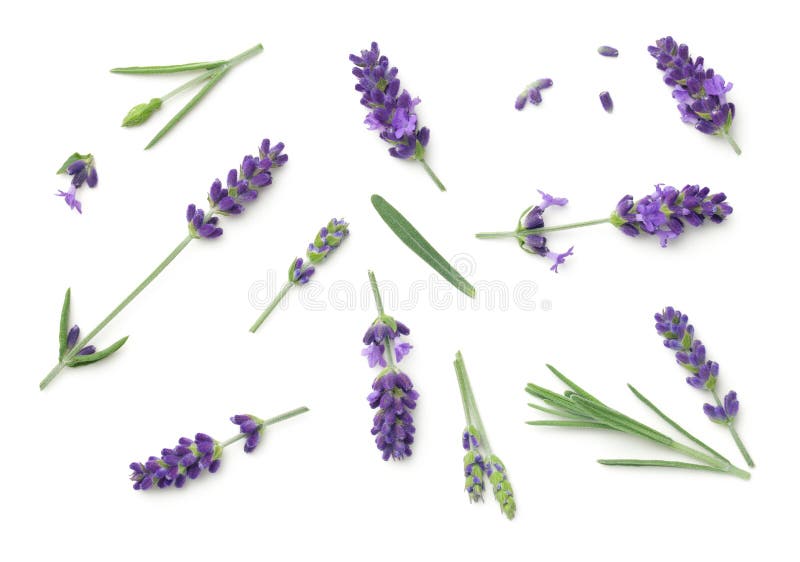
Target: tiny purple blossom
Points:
(374, 354)
(252, 427)
(724, 413)
(607, 51)
(606, 102)
(401, 350)
(532, 93)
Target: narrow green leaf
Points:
(554, 399)
(411, 237)
(72, 158)
(186, 108)
(664, 464)
(557, 412)
(563, 423)
(674, 424)
(621, 421)
(63, 328)
(572, 385)
(168, 69)
(80, 360)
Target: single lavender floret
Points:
(700, 92)
(606, 102)
(252, 427)
(607, 51)
(82, 169)
(242, 187)
(532, 218)
(690, 353)
(391, 109)
(532, 93)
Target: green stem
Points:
(251, 52)
(270, 421)
(525, 232)
(461, 373)
(388, 342)
(125, 302)
(432, 175)
(665, 464)
(711, 461)
(190, 84)
(373, 283)
(733, 144)
(738, 440)
(168, 69)
(275, 302)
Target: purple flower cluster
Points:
(394, 396)
(328, 239)
(252, 427)
(665, 211)
(188, 459)
(474, 464)
(82, 169)
(690, 353)
(72, 338)
(532, 93)
(699, 91)
(391, 110)
(242, 187)
(376, 338)
(531, 219)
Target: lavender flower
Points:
(724, 413)
(532, 93)
(532, 218)
(474, 465)
(72, 339)
(607, 51)
(501, 487)
(391, 110)
(82, 169)
(328, 239)
(699, 91)
(665, 212)
(392, 393)
(188, 459)
(690, 353)
(252, 427)
(242, 187)
(191, 457)
(607, 103)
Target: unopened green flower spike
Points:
(212, 73)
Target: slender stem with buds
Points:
(270, 421)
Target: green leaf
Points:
(80, 360)
(411, 237)
(168, 69)
(563, 378)
(572, 423)
(73, 157)
(663, 464)
(188, 107)
(141, 113)
(63, 329)
(558, 412)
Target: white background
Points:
(317, 486)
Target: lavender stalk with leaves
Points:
(391, 110)
(690, 353)
(700, 92)
(328, 239)
(579, 409)
(212, 73)
(393, 393)
(480, 464)
(243, 187)
(82, 169)
(191, 457)
(664, 214)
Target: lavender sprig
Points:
(328, 239)
(392, 111)
(690, 353)
(532, 93)
(83, 170)
(393, 393)
(480, 460)
(191, 457)
(243, 187)
(701, 94)
(579, 409)
(663, 214)
(214, 71)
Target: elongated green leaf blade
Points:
(564, 423)
(663, 464)
(411, 237)
(563, 378)
(63, 328)
(81, 360)
(167, 69)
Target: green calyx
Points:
(141, 113)
(74, 157)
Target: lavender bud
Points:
(141, 113)
(607, 51)
(605, 99)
